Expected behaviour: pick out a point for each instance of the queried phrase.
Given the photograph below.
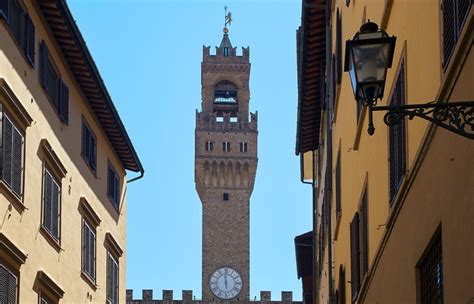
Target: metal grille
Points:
(397, 141)
(431, 273)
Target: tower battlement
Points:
(188, 298)
(225, 123)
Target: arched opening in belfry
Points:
(225, 100)
(237, 175)
(230, 174)
(207, 173)
(245, 175)
(214, 173)
(222, 173)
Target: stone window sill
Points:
(12, 197)
(51, 239)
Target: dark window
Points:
(113, 187)
(8, 286)
(89, 146)
(54, 86)
(21, 27)
(226, 196)
(243, 147)
(342, 286)
(4, 8)
(112, 280)
(454, 14)
(397, 139)
(226, 146)
(12, 150)
(338, 185)
(226, 51)
(355, 261)
(209, 145)
(339, 46)
(51, 204)
(431, 272)
(88, 250)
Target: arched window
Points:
(225, 92)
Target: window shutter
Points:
(338, 185)
(397, 153)
(463, 9)
(47, 218)
(93, 152)
(29, 39)
(17, 162)
(55, 215)
(92, 253)
(3, 285)
(339, 46)
(15, 21)
(4, 4)
(355, 267)
(449, 34)
(342, 286)
(364, 245)
(43, 63)
(7, 150)
(63, 101)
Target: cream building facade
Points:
(393, 211)
(64, 156)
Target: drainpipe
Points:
(142, 173)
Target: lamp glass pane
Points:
(352, 74)
(371, 61)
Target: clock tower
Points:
(225, 168)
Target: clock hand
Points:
(225, 281)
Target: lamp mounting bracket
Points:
(457, 117)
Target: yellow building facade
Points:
(64, 158)
(393, 213)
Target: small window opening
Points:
(226, 196)
(226, 51)
(219, 119)
(243, 147)
(209, 145)
(234, 119)
(226, 146)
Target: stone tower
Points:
(225, 168)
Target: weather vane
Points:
(228, 19)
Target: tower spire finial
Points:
(228, 20)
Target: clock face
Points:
(225, 283)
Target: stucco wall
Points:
(22, 228)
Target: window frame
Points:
(91, 162)
(60, 98)
(54, 179)
(225, 146)
(437, 237)
(400, 75)
(243, 147)
(15, 273)
(209, 145)
(84, 271)
(110, 169)
(23, 42)
(113, 258)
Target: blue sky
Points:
(149, 54)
